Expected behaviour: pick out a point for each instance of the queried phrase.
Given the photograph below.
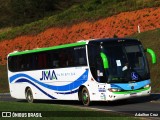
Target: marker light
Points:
(147, 86)
(114, 89)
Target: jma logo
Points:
(48, 75)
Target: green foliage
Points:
(30, 10)
(4, 87)
(19, 12)
(91, 10)
(5, 13)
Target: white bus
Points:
(93, 70)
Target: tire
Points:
(29, 96)
(85, 97)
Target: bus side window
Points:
(82, 61)
(80, 56)
(33, 62)
(66, 57)
(42, 61)
(17, 64)
(26, 62)
(55, 64)
(12, 63)
(53, 59)
(70, 57)
(70, 61)
(20, 63)
(62, 59)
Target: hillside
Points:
(121, 25)
(76, 12)
(19, 12)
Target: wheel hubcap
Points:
(29, 96)
(85, 97)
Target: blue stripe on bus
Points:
(127, 86)
(25, 80)
(82, 79)
(71, 92)
(116, 86)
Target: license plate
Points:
(133, 94)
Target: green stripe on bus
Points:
(48, 48)
(132, 91)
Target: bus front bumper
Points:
(112, 96)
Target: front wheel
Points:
(85, 97)
(29, 96)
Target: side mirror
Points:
(153, 55)
(105, 60)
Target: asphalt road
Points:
(143, 105)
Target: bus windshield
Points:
(126, 63)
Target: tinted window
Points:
(60, 58)
(80, 56)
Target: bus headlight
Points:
(114, 89)
(147, 86)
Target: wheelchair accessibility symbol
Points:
(134, 76)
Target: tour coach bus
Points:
(91, 70)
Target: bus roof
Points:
(112, 39)
(48, 48)
(79, 43)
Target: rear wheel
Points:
(29, 96)
(85, 97)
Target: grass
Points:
(90, 11)
(3, 79)
(16, 13)
(60, 112)
(5, 29)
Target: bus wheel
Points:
(85, 97)
(29, 96)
